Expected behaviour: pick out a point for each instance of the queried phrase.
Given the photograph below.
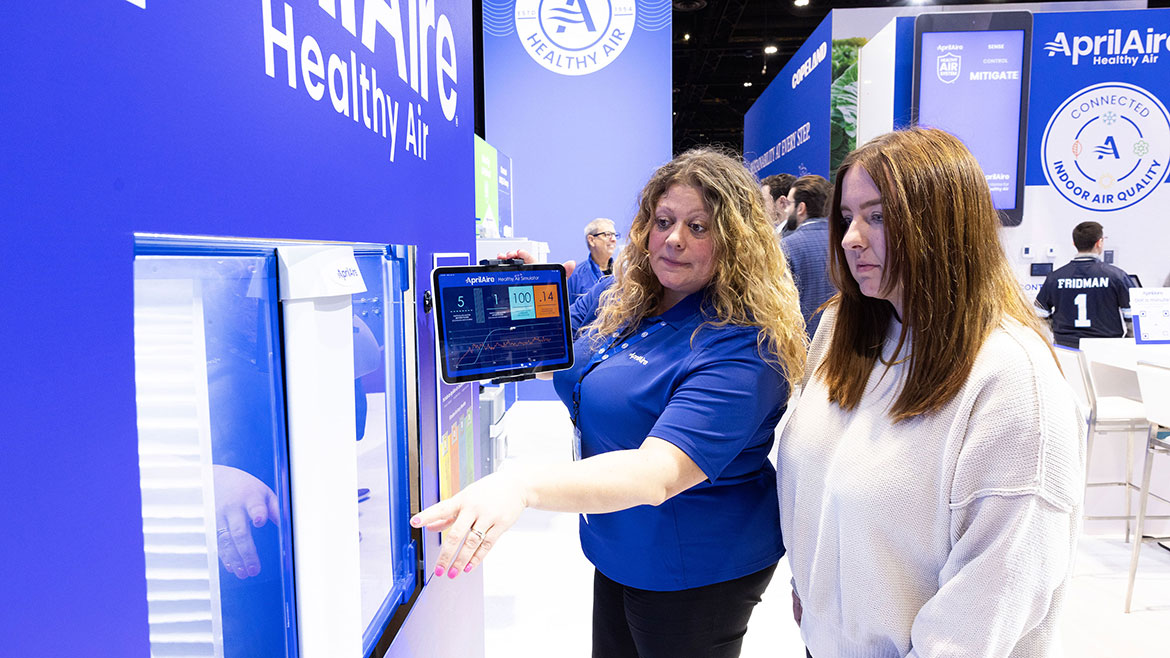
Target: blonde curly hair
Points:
(751, 284)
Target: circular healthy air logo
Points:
(574, 37)
(1107, 146)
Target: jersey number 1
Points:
(1082, 320)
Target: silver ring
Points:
(477, 533)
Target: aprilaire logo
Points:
(1107, 146)
(1116, 46)
(575, 37)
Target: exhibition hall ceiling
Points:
(719, 48)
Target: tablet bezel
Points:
(510, 373)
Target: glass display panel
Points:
(386, 551)
(212, 455)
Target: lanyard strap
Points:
(603, 354)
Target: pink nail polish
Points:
(439, 570)
(467, 568)
(452, 572)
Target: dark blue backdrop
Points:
(120, 119)
(787, 129)
(582, 146)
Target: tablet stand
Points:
(506, 261)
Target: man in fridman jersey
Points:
(1086, 298)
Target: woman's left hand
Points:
(480, 513)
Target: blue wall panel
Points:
(582, 144)
(1075, 51)
(120, 119)
(787, 129)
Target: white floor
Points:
(538, 585)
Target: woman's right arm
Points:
(609, 482)
(725, 396)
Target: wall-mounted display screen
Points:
(971, 79)
(501, 321)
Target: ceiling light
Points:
(748, 83)
(770, 49)
(687, 36)
(800, 3)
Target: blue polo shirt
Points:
(584, 276)
(583, 310)
(719, 402)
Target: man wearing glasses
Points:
(601, 237)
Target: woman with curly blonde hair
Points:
(675, 394)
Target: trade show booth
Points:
(1064, 106)
(235, 367)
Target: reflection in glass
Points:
(211, 454)
(379, 386)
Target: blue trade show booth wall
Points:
(787, 129)
(580, 98)
(582, 106)
(264, 119)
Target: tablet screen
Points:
(501, 321)
(971, 79)
(977, 70)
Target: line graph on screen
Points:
(530, 341)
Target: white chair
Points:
(1110, 409)
(1154, 381)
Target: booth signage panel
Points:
(1099, 126)
(787, 130)
(1151, 315)
(584, 113)
(578, 94)
(346, 121)
(972, 85)
(487, 191)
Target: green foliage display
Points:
(845, 53)
(843, 100)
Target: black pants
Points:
(702, 622)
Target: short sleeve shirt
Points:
(583, 310)
(718, 401)
(1086, 298)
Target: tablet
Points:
(501, 321)
(971, 78)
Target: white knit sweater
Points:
(950, 534)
